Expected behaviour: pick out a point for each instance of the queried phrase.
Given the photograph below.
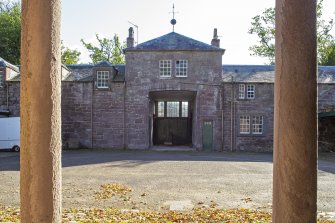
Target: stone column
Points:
(295, 135)
(40, 158)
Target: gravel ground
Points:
(167, 180)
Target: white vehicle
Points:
(10, 133)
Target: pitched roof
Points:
(266, 74)
(5, 63)
(83, 72)
(174, 42)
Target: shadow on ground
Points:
(129, 158)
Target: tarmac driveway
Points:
(167, 180)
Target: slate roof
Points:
(83, 72)
(79, 72)
(266, 74)
(173, 42)
(120, 76)
(4, 63)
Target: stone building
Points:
(172, 91)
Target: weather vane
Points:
(173, 20)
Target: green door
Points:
(207, 135)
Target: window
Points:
(241, 92)
(244, 124)
(246, 92)
(184, 109)
(172, 109)
(165, 68)
(1, 79)
(257, 125)
(102, 79)
(250, 91)
(181, 68)
(160, 109)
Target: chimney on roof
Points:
(215, 41)
(130, 38)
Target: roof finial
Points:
(173, 20)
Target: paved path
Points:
(167, 180)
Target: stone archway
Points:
(294, 194)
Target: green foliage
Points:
(264, 27)
(107, 49)
(69, 56)
(10, 31)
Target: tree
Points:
(108, 49)
(264, 27)
(69, 56)
(10, 31)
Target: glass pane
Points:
(172, 109)
(244, 124)
(160, 109)
(184, 107)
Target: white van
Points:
(10, 133)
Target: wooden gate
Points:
(172, 131)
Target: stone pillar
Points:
(40, 158)
(295, 135)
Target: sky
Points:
(83, 19)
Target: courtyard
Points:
(162, 181)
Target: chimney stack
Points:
(215, 41)
(130, 38)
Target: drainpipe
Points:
(234, 118)
(232, 111)
(222, 132)
(124, 115)
(7, 85)
(92, 114)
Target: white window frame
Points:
(2, 79)
(102, 79)
(181, 67)
(241, 91)
(251, 92)
(257, 125)
(244, 124)
(165, 68)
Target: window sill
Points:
(250, 135)
(165, 77)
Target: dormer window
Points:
(102, 79)
(181, 68)
(165, 68)
(2, 81)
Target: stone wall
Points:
(326, 97)
(261, 105)
(97, 125)
(142, 77)
(326, 125)
(3, 90)
(12, 91)
(326, 139)
(102, 125)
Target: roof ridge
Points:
(174, 41)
